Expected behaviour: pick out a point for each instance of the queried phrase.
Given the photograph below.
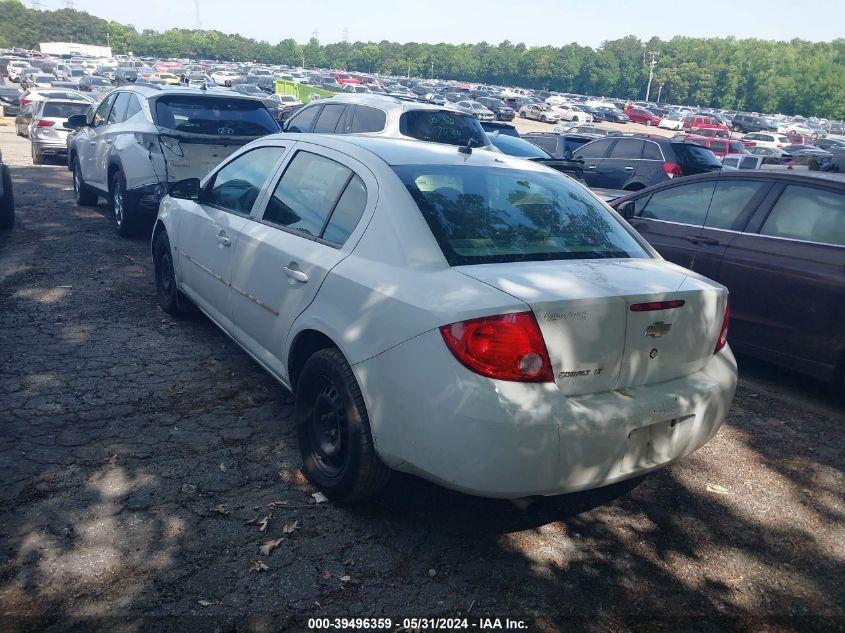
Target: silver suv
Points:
(141, 138)
(382, 115)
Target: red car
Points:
(343, 78)
(719, 146)
(641, 115)
(702, 122)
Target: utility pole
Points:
(431, 76)
(651, 66)
(659, 91)
(409, 68)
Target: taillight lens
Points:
(26, 101)
(504, 347)
(673, 169)
(44, 123)
(723, 335)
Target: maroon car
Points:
(641, 115)
(776, 240)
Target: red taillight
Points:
(723, 335)
(673, 169)
(504, 347)
(656, 305)
(44, 123)
(26, 101)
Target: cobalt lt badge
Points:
(653, 353)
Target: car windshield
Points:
(44, 78)
(63, 110)
(482, 215)
(214, 115)
(441, 126)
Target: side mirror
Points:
(187, 189)
(76, 121)
(626, 209)
(567, 154)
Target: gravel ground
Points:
(146, 461)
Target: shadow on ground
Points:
(142, 457)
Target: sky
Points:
(533, 22)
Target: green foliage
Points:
(795, 77)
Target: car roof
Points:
(394, 151)
(383, 101)
(155, 90)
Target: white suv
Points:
(141, 138)
(383, 115)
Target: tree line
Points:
(795, 77)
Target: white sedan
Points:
(224, 77)
(469, 317)
(672, 122)
(539, 112)
(570, 112)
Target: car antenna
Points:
(466, 149)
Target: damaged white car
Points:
(141, 138)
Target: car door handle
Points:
(629, 168)
(223, 240)
(296, 274)
(591, 166)
(700, 239)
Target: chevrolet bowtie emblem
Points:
(657, 330)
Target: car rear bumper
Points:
(433, 418)
(49, 147)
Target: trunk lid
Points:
(595, 341)
(195, 155)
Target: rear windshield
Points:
(695, 156)
(63, 110)
(482, 215)
(440, 126)
(214, 115)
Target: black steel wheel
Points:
(335, 439)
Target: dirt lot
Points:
(143, 456)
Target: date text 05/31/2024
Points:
(477, 624)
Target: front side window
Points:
(303, 120)
(119, 110)
(687, 204)
(730, 199)
(484, 215)
(809, 214)
(238, 184)
(306, 194)
(102, 111)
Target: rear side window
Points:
(651, 151)
(307, 193)
(238, 184)
(730, 199)
(347, 212)
(368, 120)
(807, 213)
(214, 116)
(719, 146)
(303, 120)
(439, 126)
(63, 110)
(486, 215)
(627, 148)
(595, 149)
(133, 107)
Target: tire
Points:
(37, 159)
(7, 202)
(522, 115)
(334, 430)
(648, 123)
(123, 212)
(81, 192)
(170, 299)
(813, 164)
(542, 118)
